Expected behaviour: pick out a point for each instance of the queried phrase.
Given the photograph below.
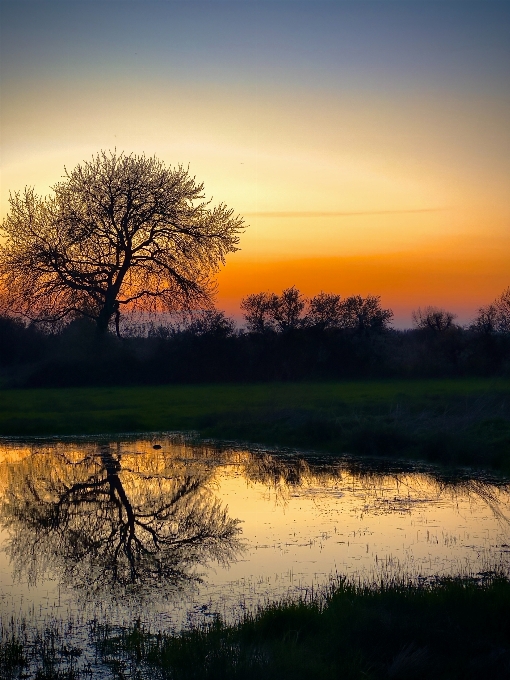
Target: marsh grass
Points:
(456, 628)
(12, 654)
(449, 629)
(46, 655)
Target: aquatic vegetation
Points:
(446, 629)
(175, 557)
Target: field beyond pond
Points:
(454, 422)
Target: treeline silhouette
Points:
(286, 337)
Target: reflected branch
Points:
(102, 527)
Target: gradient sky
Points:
(367, 144)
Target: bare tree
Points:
(365, 314)
(121, 232)
(288, 308)
(324, 311)
(502, 304)
(486, 321)
(433, 318)
(258, 311)
(494, 318)
(210, 322)
(268, 311)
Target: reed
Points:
(455, 628)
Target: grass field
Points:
(450, 421)
(456, 629)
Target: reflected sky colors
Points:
(97, 528)
(366, 144)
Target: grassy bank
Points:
(449, 421)
(454, 629)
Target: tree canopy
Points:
(433, 319)
(121, 232)
(291, 310)
(494, 318)
(268, 311)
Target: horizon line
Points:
(318, 213)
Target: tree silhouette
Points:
(258, 311)
(324, 311)
(502, 304)
(211, 323)
(288, 309)
(486, 320)
(268, 311)
(120, 232)
(494, 317)
(107, 526)
(433, 319)
(365, 314)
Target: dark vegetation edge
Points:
(454, 628)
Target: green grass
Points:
(450, 421)
(456, 629)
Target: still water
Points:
(171, 530)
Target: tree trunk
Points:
(117, 323)
(109, 309)
(102, 322)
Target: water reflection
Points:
(125, 518)
(105, 521)
(385, 486)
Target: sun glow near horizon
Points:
(366, 145)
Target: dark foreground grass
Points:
(451, 629)
(445, 421)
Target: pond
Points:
(171, 530)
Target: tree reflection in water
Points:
(385, 486)
(108, 521)
(124, 517)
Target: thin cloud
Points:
(357, 213)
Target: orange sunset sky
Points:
(366, 144)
